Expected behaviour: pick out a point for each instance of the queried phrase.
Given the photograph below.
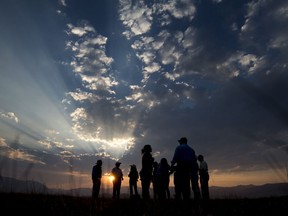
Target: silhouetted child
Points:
(133, 178)
(163, 176)
(204, 177)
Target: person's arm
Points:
(175, 157)
(93, 173)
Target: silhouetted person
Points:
(118, 177)
(204, 177)
(155, 180)
(163, 177)
(96, 179)
(186, 169)
(146, 171)
(133, 178)
(195, 181)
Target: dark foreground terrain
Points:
(33, 204)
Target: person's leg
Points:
(114, 190)
(131, 188)
(143, 185)
(205, 189)
(195, 186)
(118, 190)
(186, 189)
(177, 186)
(135, 188)
(97, 189)
(145, 188)
(167, 191)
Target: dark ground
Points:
(33, 204)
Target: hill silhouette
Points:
(13, 185)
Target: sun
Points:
(111, 178)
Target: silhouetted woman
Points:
(133, 178)
(146, 171)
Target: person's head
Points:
(164, 161)
(146, 149)
(183, 140)
(133, 167)
(117, 164)
(155, 164)
(99, 162)
(200, 157)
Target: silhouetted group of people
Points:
(184, 166)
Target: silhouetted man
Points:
(186, 170)
(96, 179)
(118, 177)
(204, 177)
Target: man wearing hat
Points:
(186, 170)
(96, 179)
(118, 177)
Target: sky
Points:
(91, 79)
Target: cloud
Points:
(17, 154)
(242, 64)
(136, 16)
(79, 30)
(63, 2)
(174, 9)
(90, 61)
(9, 115)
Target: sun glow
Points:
(111, 178)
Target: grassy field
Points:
(33, 204)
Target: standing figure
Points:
(96, 179)
(204, 177)
(146, 171)
(118, 177)
(186, 169)
(163, 174)
(195, 181)
(155, 182)
(133, 178)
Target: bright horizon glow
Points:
(111, 178)
(230, 179)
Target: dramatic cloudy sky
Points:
(91, 79)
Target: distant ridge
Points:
(12, 185)
(250, 191)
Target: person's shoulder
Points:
(179, 147)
